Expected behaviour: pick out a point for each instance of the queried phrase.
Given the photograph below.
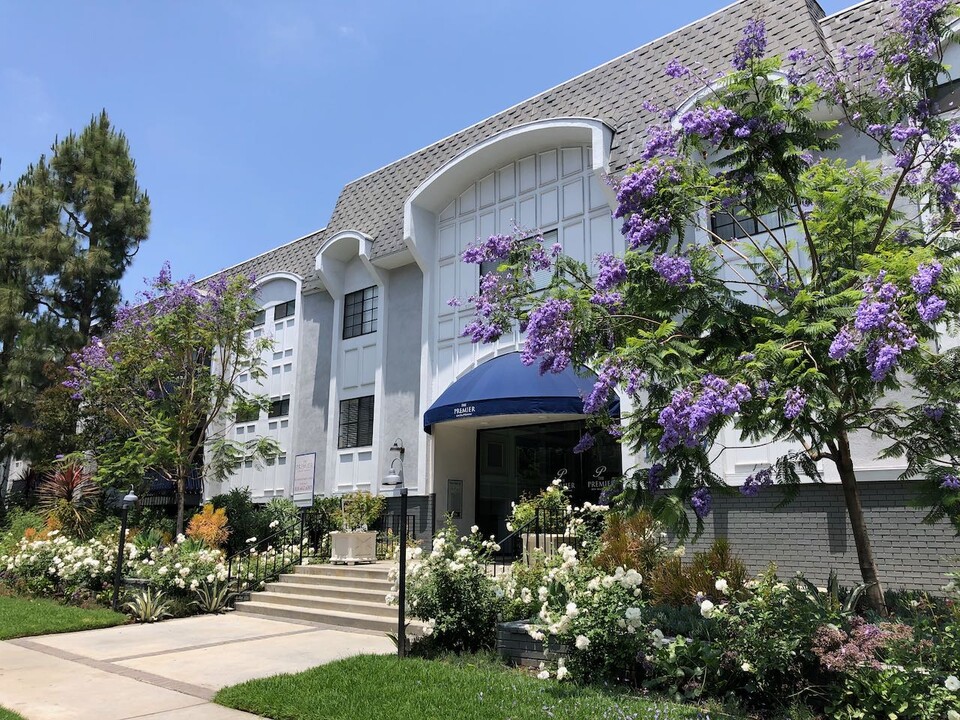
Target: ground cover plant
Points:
(22, 617)
(374, 687)
(807, 311)
(9, 715)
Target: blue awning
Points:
(505, 386)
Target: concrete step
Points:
(373, 571)
(375, 609)
(332, 581)
(293, 587)
(327, 617)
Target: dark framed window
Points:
(284, 310)
(280, 407)
(541, 278)
(360, 312)
(741, 223)
(946, 96)
(258, 318)
(247, 415)
(356, 422)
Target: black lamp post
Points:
(396, 478)
(128, 502)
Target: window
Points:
(279, 407)
(284, 309)
(541, 278)
(247, 414)
(258, 318)
(360, 312)
(946, 96)
(741, 223)
(356, 422)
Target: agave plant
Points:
(148, 606)
(68, 496)
(829, 598)
(213, 597)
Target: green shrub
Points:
(246, 520)
(361, 510)
(553, 504)
(450, 591)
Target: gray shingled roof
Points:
(373, 204)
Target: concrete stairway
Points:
(349, 596)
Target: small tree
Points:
(158, 388)
(811, 336)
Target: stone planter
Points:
(516, 647)
(547, 543)
(353, 547)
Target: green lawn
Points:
(9, 715)
(20, 617)
(377, 687)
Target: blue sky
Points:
(246, 118)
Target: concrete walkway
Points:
(167, 671)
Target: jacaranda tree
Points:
(816, 335)
(157, 389)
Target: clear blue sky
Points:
(246, 119)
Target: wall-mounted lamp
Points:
(398, 447)
(394, 477)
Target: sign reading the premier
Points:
(464, 410)
(304, 471)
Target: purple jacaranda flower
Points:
(752, 485)
(794, 402)
(612, 271)
(950, 482)
(656, 477)
(691, 410)
(752, 45)
(674, 269)
(549, 336)
(586, 442)
(711, 123)
(933, 412)
(930, 308)
(607, 378)
(842, 344)
(702, 502)
(675, 70)
(926, 277)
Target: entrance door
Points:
(518, 462)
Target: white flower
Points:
(658, 639)
(251, 540)
(542, 593)
(582, 642)
(562, 671)
(953, 715)
(746, 667)
(535, 634)
(274, 523)
(526, 596)
(543, 674)
(707, 608)
(474, 529)
(572, 610)
(721, 586)
(952, 683)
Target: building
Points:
(369, 355)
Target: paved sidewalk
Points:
(167, 671)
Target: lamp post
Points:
(396, 478)
(128, 501)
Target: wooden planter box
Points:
(353, 547)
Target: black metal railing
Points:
(539, 538)
(278, 552)
(388, 534)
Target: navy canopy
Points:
(505, 386)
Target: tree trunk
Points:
(851, 495)
(181, 492)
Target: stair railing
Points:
(267, 558)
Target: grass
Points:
(379, 687)
(9, 715)
(21, 617)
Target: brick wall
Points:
(812, 535)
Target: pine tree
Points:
(85, 215)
